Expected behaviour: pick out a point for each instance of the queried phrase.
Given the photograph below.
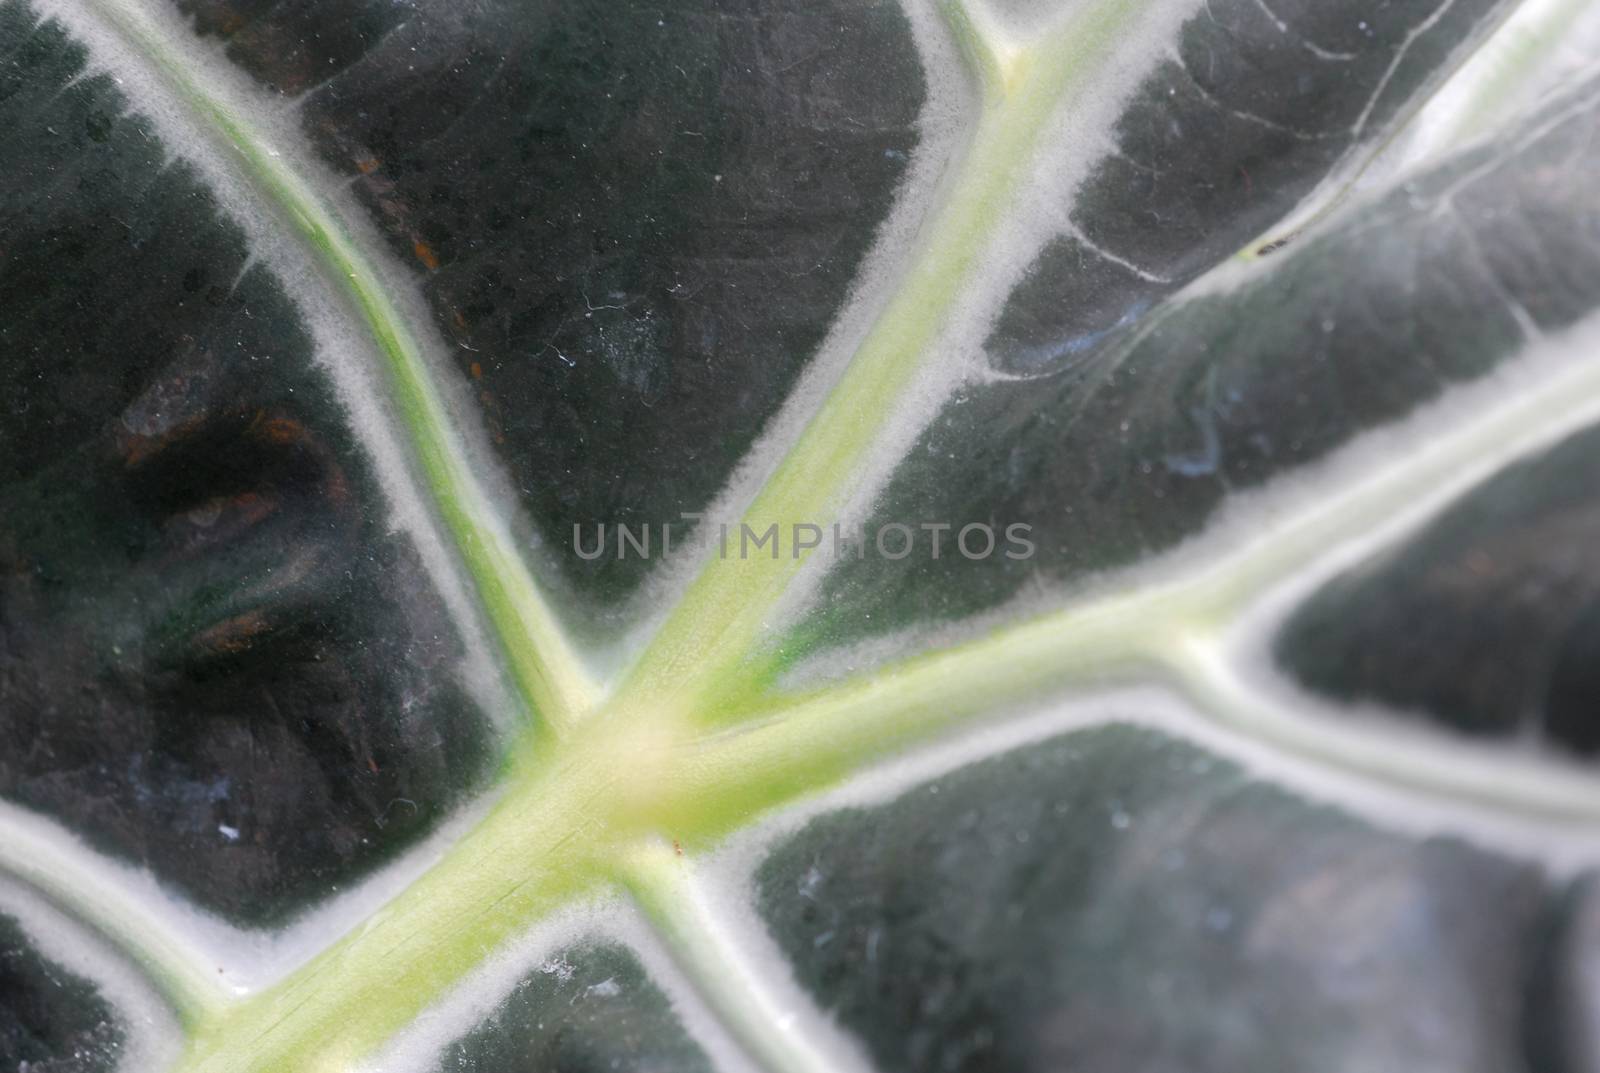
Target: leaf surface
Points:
(1268, 325)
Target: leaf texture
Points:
(327, 325)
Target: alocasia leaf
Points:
(1160, 911)
(1237, 355)
(219, 662)
(52, 1018)
(588, 1007)
(1118, 449)
(634, 223)
(1528, 668)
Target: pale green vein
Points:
(43, 856)
(661, 882)
(1171, 630)
(986, 53)
(724, 612)
(536, 850)
(808, 742)
(546, 671)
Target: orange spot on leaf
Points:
(425, 254)
(281, 430)
(476, 370)
(234, 634)
(251, 508)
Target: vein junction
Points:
(600, 778)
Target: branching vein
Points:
(652, 766)
(548, 673)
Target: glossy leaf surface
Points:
(1225, 372)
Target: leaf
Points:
(1117, 900)
(634, 223)
(219, 661)
(1526, 668)
(609, 1013)
(1260, 333)
(1119, 447)
(49, 1013)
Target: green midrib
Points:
(572, 805)
(697, 653)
